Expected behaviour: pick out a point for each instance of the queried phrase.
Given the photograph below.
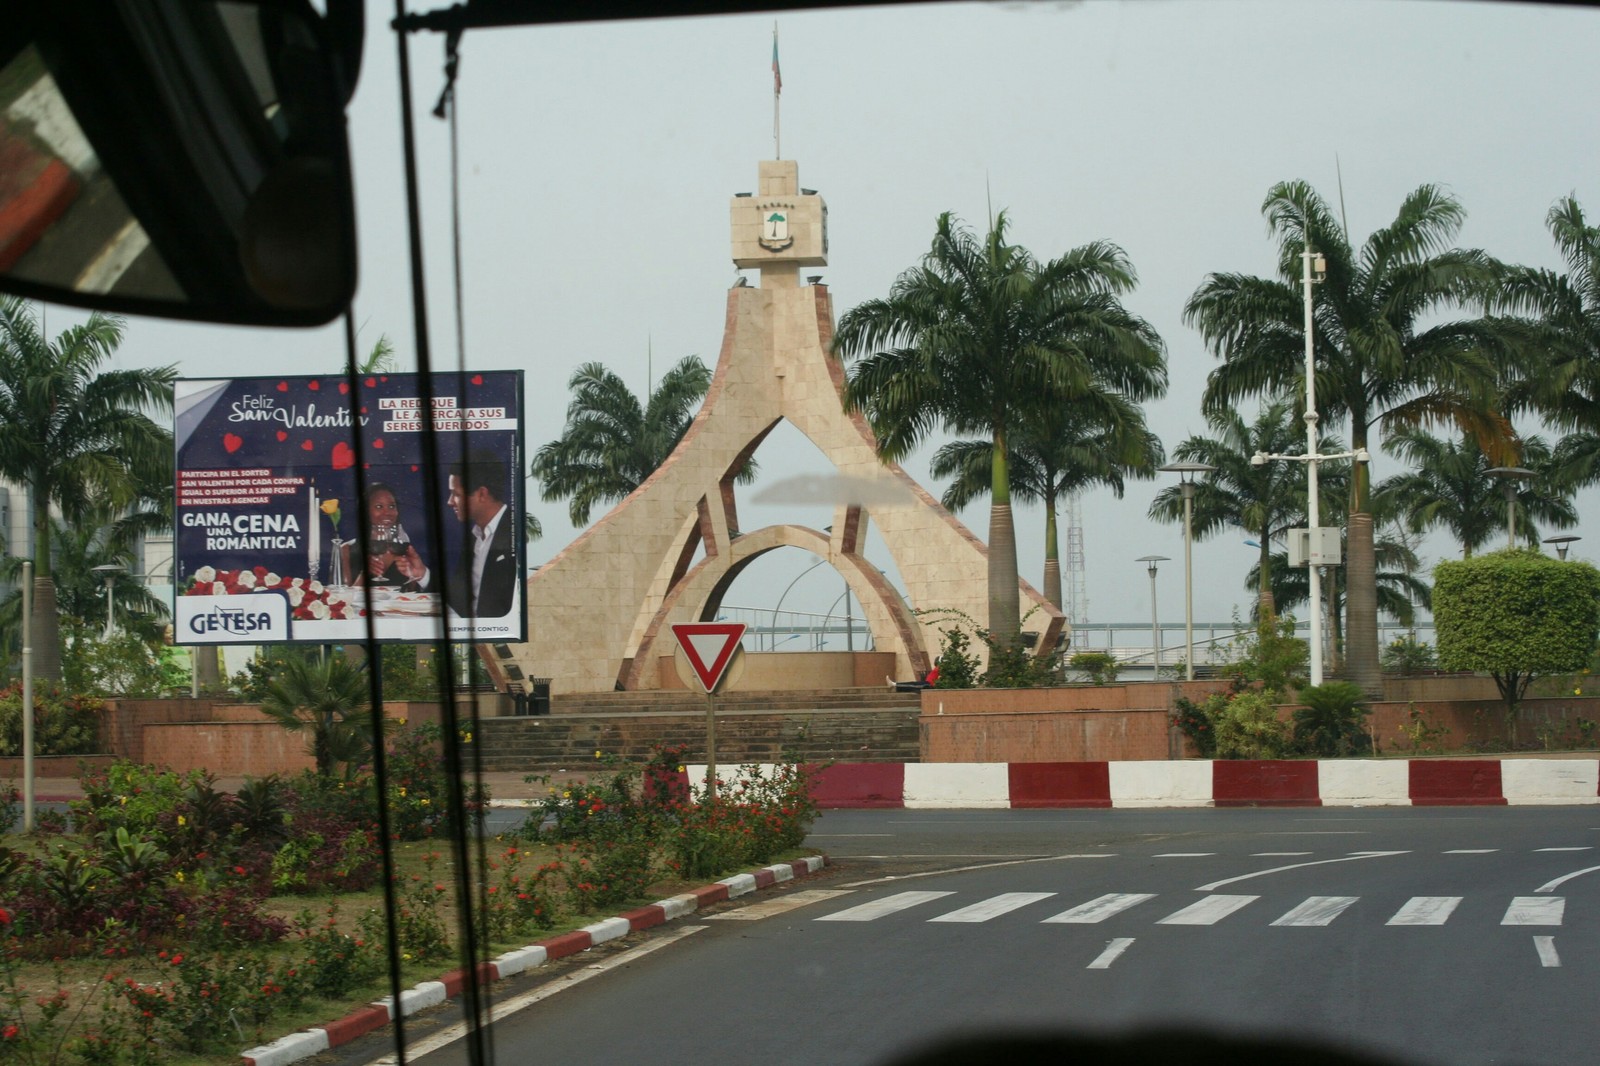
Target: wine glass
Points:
(382, 539)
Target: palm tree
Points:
(1265, 500)
(328, 696)
(76, 436)
(1382, 354)
(1564, 384)
(1451, 488)
(611, 443)
(1101, 440)
(981, 332)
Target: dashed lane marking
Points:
(1113, 950)
(1100, 908)
(1472, 851)
(1208, 911)
(877, 908)
(1426, 910)
(1535, 910)
(1317, 911)
(993, 907)
(777, 905)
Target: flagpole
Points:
(777, 93)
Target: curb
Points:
(360, 1022)
(1202, 783)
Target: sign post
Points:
(710, 648)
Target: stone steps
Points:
(569, 740)
(880, 697)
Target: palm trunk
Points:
(1052, 551)
(1330, 597)
(208, 668)
(1362, 665)
(46, 619)
(1004, 595)
(1267, 607)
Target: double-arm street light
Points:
(1187, 472)
(1509, 476)
(1155, 626)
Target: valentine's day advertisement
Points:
(275, 475)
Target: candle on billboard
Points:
(314, 536)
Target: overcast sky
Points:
(597, 163)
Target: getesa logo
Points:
(257, 617)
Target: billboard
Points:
(268, 545)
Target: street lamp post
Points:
(1562, 543)
(109, 572)
(773, 635)
(1187, 472)
(1155, 626)
(1509, 476)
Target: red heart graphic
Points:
(344, 387)
(307, 445)
(371, 382)
(383, 377)
(282, 436)
(477, 379)
(283, 386)
(314, 386)
(413, 469)
(232, 442)
(343, 456)
(378, 443)
(363, 410)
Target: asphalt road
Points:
(1452, 935)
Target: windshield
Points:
(584, 223)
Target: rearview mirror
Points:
(176, 158)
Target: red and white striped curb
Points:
(1204, 783)
(303, 1045)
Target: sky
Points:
(597, 162)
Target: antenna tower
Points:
(1076, 607)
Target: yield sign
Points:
(709, 647)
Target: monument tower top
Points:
(779, 228)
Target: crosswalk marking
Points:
(1113, 949)
(1535, 910)
(1317, 910)
(1208, 911)
(1100, 908)
(993, 907)
(1546, 947)
(1425, 910)
(877, 908)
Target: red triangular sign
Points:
(709, 647)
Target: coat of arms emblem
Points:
(775, 231)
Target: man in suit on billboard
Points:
(483, 585)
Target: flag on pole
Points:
(777, 77)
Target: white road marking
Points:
(1316, 911)
(1352, 857)
(1426, 910)
(777, 905)
(1550, 886)
(1472, 851)
(964, 869)
(1277, 854)
(1208, 911)
(1546, 947)
(993, 907)
(1535, 910)
(1183, 855)
(877, 908)
(1099, 909)
(444, 1037)
(1113, 949)
(1585, 847)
